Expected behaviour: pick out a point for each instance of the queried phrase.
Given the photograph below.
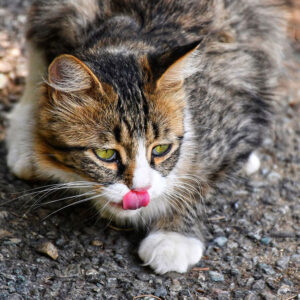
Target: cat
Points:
(147, 105)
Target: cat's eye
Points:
(161, 150)
(107, 155)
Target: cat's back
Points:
(62, 26)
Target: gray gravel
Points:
(253, 249)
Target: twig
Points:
(216, 218)
(119, 228)
(293, 297)
(200, 269)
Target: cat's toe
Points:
(170, 251)
(253, 164)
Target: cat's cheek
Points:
(170, 251)
(158, 185)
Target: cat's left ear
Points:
(171, 68)
(68, 74)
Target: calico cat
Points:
(147, 105)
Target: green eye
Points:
(161, 150)
(107, 155)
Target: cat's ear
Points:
(69, 74)
(171, 68)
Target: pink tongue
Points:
(136, 199)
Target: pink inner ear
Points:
(54, 72)
(136, 199)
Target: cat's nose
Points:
(140, 189)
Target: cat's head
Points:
(119, 124)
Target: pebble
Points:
(259, 285)
(47, 248)
(221, 241)
(91, 272)
(223, 295)
(4, 233)
(266, 240)
(268, 296)
(176, 286)
(3, 214)
(160, 292)
(216, 276)
(251, 296)
(284, 289)
(283, 262)
(266, 268)
(97, 243)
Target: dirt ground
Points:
(254, 248)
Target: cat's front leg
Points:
(20, 133)
(19, 141)
(172, 245)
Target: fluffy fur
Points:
(130, 75)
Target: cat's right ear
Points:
(68, 74)
(169, 69)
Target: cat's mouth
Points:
(133, 200)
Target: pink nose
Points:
(135, 199)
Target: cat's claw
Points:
(170, 251)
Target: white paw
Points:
(170, 251)
(19, 141)
(253, 164)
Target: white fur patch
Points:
(19, 138)
(253, 164)
(170, 251)
(142, 173)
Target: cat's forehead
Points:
(137, 111)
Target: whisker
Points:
(69, 205)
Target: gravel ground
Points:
(253, 250)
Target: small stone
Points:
(223, 295)
(221, 241)
(283, 262)
(238, 294)
(235, 272)
(254, 236)
(91, 272)
(249, 282)
(295, 258)
(274, 176)
(259, 285)
(266, 240)
(15, 241)
(160, 292)
(176, 286)
(272, 283)
(4, 233)
(97, 243)
(216, 276)
(268, 296)
(284, 289)
(48, 248)
(3, 214)
(15, 297)
(251, 296)
(266, 268)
